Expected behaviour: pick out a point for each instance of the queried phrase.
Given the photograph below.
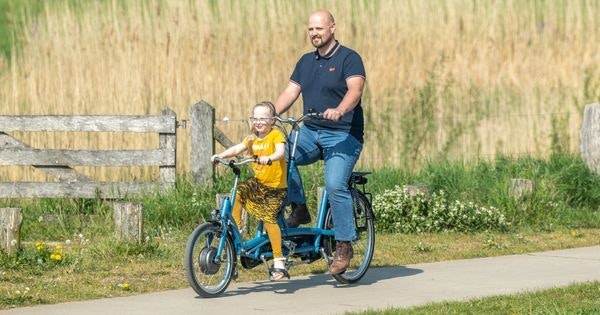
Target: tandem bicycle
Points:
(214, 248)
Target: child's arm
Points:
(230, 152)
(277, 155)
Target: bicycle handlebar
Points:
(292, 120)
(234, 163)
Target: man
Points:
(331, 80)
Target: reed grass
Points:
(458, 79)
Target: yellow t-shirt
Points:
(274, 175)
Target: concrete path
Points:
(380, 288)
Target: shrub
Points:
(397, 212)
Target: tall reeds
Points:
(446, 79)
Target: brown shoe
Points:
(298, 216)
(341, 260)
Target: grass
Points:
(94, 264)
(574, 299)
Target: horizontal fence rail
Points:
(157, 123)
(57, 163)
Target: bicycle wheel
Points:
(363, 246)
(208, 274)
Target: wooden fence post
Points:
(10, 228)
(168, 143)
(590, 137)
(414, 190)
(520, 187)
(128, 220)
(202, 144)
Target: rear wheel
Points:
(209, 274)
(363, 246)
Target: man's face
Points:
(320, 30)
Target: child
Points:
(263, 194)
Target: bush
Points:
(397, 212)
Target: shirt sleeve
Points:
(278, 137)
(353, 66)
(248, 143)
(296, 73)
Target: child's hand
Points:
(264, 160)
(212, 158)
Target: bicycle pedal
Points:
(291, 246)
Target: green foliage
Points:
(11, 16)
(38, 257)
(62, 218)
(7, 26)
(398, 212)
(115, 249)
(566, 193)
(574, 181)
(575, 299)
(466, 197)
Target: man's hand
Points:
(333, 114)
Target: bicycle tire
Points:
(207, 276)
(363, 247)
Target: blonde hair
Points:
(266, 104)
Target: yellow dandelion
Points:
(573, 233)
(58, 248)
(125, 286)
(56, 257)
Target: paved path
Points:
(380, 288)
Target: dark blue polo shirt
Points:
(323, 83)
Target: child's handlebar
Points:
(234, 163)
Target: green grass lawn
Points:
(574, 299)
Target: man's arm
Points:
(356, 85)
(287, 98)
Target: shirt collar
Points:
(329, 54)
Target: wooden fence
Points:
(58, 163)
(203, 136)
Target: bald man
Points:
(331, 80)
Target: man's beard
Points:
(322, 43)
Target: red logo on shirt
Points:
(331, 69)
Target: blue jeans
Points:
(340, 151)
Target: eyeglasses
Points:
(257, 120)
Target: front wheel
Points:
(363, 246)
(209, 274)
